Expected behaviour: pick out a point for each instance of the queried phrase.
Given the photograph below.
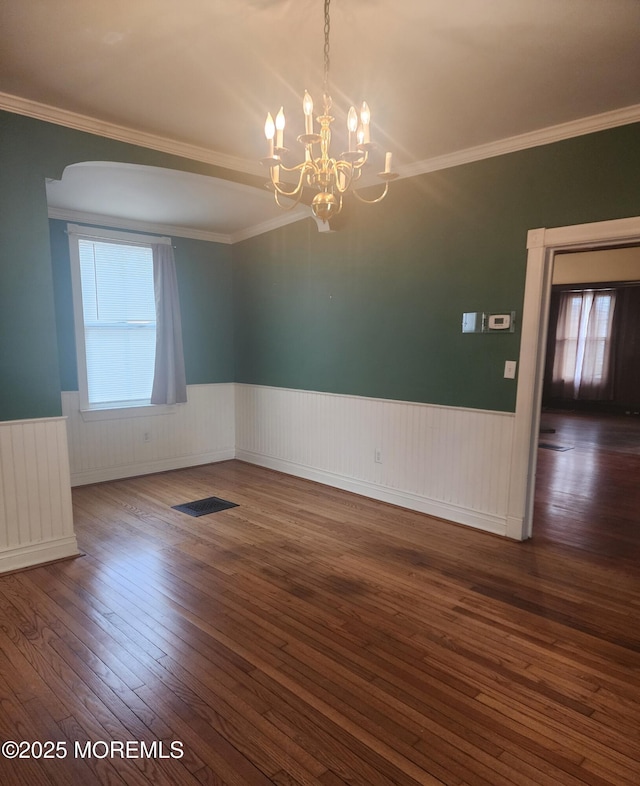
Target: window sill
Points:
(121, 413)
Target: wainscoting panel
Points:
(198, 432)
(36, 522)
(449, 462)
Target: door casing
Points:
(542, 246)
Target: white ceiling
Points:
(440, 76)
(174, 203)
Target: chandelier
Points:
(331, 177)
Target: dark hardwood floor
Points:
(588, 493)
(309, 636)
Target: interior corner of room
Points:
(320, 436)
(337, 356)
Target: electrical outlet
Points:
(378, 455)
(146, 437)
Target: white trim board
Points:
(102, 475)
(422, 457)
(96, 219)
(33, 554)
(200, 431)
(542, 245)
(543, 136)
(62, 117)
(403, 499)
(36, 520)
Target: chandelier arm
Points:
(351, 170)
(352, 174)
(297, 194)
(296, 168)
(354, 166)
(344, 168)
(361, 161)
(303, 169)
(372, 201)
(284, 192)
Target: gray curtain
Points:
(169, 382)
(596, 378)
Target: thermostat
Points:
(500, 322)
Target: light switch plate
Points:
(510, 369)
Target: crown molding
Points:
(544, 136)
(96, 219)
(62, 117)
(267, 226)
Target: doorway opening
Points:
(543, 245)
(587, 493)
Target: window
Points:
(583, 341)
(115, 315)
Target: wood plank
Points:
(310, 636)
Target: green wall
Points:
(30, 374)
(375, 308)
(29, 381)
(204, 275)
(205, 282)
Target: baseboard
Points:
(441, 510)
(33, 554)
(149, 467)
(515, 528)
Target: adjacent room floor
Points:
(588, 484)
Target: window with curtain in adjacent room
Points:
(128, 334)
(582, 360)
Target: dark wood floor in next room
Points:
(309, 636)
(588, 492)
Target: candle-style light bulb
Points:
(387, 163)
(352, 120)
(307, 108)
(269, 126)
(352, 126)
(269, 132)
(365, 119)
(280, 128)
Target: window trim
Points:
(110, 411)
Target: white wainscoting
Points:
(445, 461)
(449, 462)
(198, 432)
(36, 522)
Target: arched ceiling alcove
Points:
(131, 194)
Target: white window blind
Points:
(118, 304)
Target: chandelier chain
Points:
(327, 29)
